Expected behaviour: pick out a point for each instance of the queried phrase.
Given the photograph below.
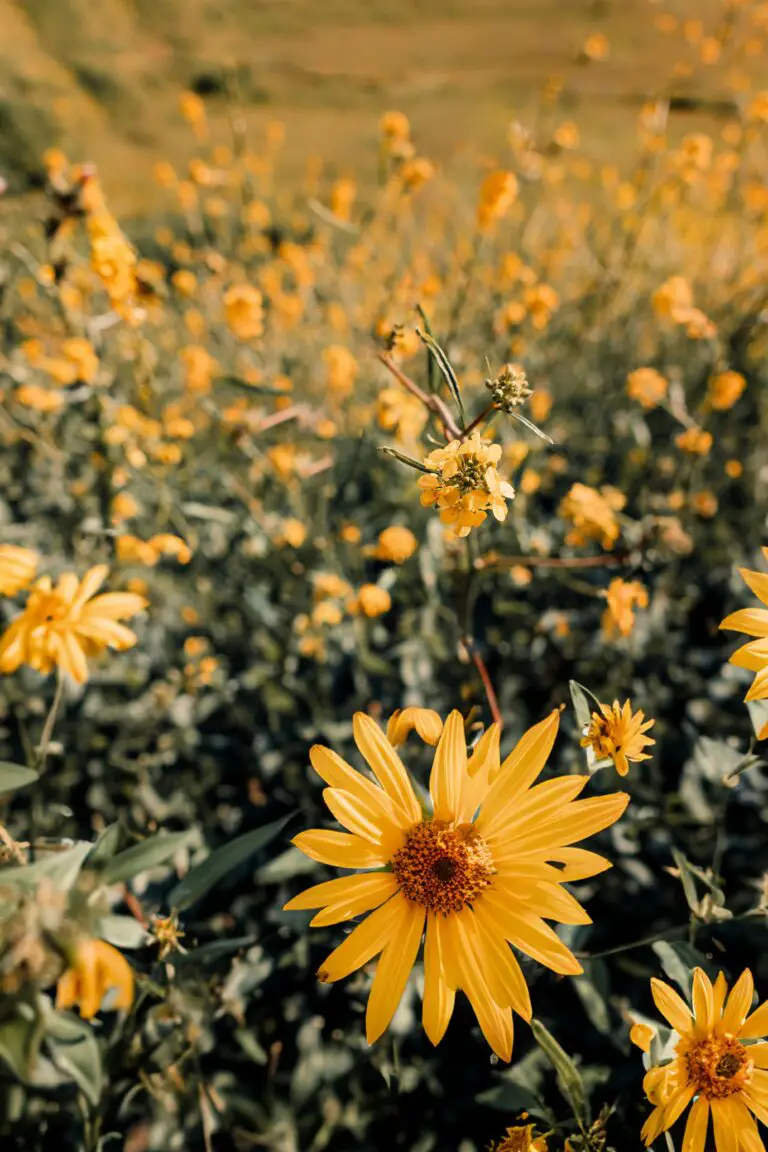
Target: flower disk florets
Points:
(441, 867)
(718, 1066)
(463, 483)
(510, 388)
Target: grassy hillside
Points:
(103, 81)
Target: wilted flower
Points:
(623, 597)
(61, 626)
(464, 484)
(616, 733)
(96, 969)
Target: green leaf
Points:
(221, 862)
(122, 931)
(16, 1044)
(445, 368)
(758, 714)
(531, 426)
(687, 881)
(581, 697)
(141, 857)
(60, 867)
(675, 964)
(81, 1060)
(13, 776)
(568, 1076)
(106, 845)
(594, 1002)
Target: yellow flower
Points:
(616, 733)
(471, 874)
(647, 386)
(17, 568)
(425, 721)
(725, 389)
(291, 533)
(672, 297)
(641, 1036)
(341, 370)
(399, 412)
(520, 1139)
(497, 194)
(62, 625)
(464, 484)
(97, 968)
(371, 600)
(133, 550)
(113, 259)
(592, 514)
(41, 399)
(166, 544)
(622, 596)
(244, 311)
(695, 441)
(81, 355)
(396, 544)
(715, 1063)
(753, 622)
(394, 126)
(596, 46)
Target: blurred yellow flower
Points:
(341, 370)
(704, 504)
(244, 311)
(291, 533)
(623, 597)
(725, 389)
(497, 195)
(464, 485)
(616, 733)
(402, 413)
(471, 874)
(97, 969)
(540, 405)
(520, 1139)
(17, 568)
(396, 544)
(394, 126)
(753, 622)
(424, 721)
(647, 386)
(596, 46)
(41, 399)
(672, 296)
(350, 534)
(695, 441)
(371, 600)
(592, 514)
(63, 625)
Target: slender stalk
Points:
(432, 402)
(478, 420)
(43, 748)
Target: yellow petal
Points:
(576, 821)
(749, 1140)
(114, 606)
(696, 1127)
(759, 688)
(449, 769)
(739, 1003)
(339, 849)
(365, 941)
(345, 887)
(726, 1134)
(518, 771)
(483, 765)
(579, 863)
(439, 998)
(108, 633)
(91, 583)
(67, 990)
(672, 1007)
(756, 1025)
(554, 903)
(653, 1127)
(530, 934)
(349, 907)
(703, 1002)
(535, 812)
(495, 1022)
(354, 814)
(426, 721)
(392, 971)
(336, 772)
(757, 582)
(752, 621)
(505, 977)
(719, 993)
(385, 764)
(675, 1107)
(72, 658)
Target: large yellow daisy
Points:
(715, 1065)
(482, 866)
(753, 622)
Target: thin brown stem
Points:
(490, 692)
(612, 560)
(478, 420)
(433, 403)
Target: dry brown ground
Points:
(102, 78)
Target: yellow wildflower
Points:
(244, 311)
(520, 1139)
(396, 544)
(341, 370)
(596, 46)
(592, 514)
(647, 386)
(497, 194)
(291, 533)
(695, 441)
(61, 626)
(464, 484)
(616, 733)
(17, 568)
(402, 413)
(41, 399)
(623, 597)
(97, 968)
(371, 600)
(725, 389)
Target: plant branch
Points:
(433, 403)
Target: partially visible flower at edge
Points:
(97, 968)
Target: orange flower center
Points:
(441, 867)
(47, 608)
(718, 1066)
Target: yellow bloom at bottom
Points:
(97, 968)
(717, 1065)
(520, 1139)
(616, 733)
(482, 868)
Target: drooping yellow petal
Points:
(553, 902)
(366, 940)
(495, 1022)
(675, 1106)
(696, 1127)
(757, 582)
(338, 774)
(509, 988)
(339, 849)
(519, 770)
(345, 887)
(439, 998)
(703, 1002)
(672, 1007)
(653, 1127)
(392, 971)
(739, 1003)
(726, 1134)
(353, 813)
(425, 721)
(385, 764)
(449, 769)
(578, 863)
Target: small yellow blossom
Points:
(520, 1139)
(394, 126)
(244, 311)
(291, 533)
(616, 733)
(371, 600)
(623, 597)
(695, 441)
(725, 389)
(592, 514)
(41, 399)
(647, 386)
(596, 46)
(396, 544)
(97, 968)
(497, 195)
(464, 485)
(341, 370)
(17, 568)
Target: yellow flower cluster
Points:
(622, 596)
(464, 485)
(592, 515)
